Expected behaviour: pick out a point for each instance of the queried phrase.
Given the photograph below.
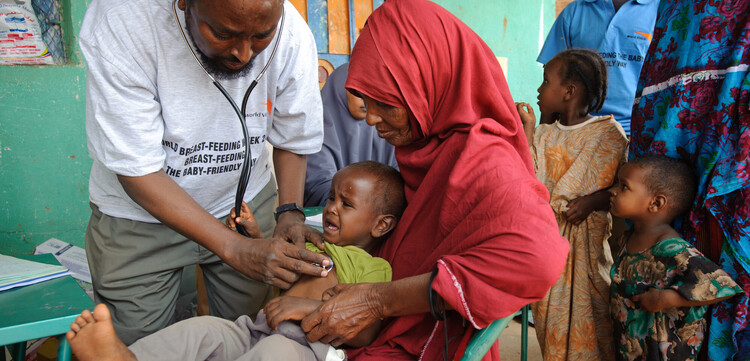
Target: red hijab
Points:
(475, 209)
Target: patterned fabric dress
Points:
(574, 161)
(693, 100)
(675, 333)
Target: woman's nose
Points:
(371, 119)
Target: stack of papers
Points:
(70, 256)
(15, 272)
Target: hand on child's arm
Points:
(246, 219)
(580, 208)
(287, 308)
(527, 119)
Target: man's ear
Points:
(658, 203)
(181, 4)
(385, 224)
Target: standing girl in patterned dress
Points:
(577, 158)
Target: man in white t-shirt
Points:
(168, 148)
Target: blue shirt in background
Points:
(621, 38)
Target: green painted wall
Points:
(44, 163)
(514, 29)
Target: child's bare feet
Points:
(92, 337)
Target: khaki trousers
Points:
(136, 269)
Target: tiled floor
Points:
(510, 343)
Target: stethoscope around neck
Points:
(245, 172)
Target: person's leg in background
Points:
(136, 270)
(200, 286)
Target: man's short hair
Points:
(670, 177)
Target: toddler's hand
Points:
(288, 308)
(246, 220)
(526, 113)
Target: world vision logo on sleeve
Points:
(645, 35)
(269, 106)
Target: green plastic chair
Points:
(483, 340)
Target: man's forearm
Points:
(158, 194)
(290, 175)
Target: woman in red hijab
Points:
(478, 237)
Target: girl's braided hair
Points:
(585, 67)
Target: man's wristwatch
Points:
(286, 208)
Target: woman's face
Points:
(356, 106)
(392, 123)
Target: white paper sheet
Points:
(70, 256)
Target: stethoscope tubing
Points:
(246, 169)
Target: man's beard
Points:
(211, 65)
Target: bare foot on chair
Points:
(92, 337)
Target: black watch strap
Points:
(286, 208)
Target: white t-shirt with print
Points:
(151, 107)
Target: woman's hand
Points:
(348, 310)
(287, 308)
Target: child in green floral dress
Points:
(661, 285)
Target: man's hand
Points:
(287, 308)
(273, 260)
(291, 227)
